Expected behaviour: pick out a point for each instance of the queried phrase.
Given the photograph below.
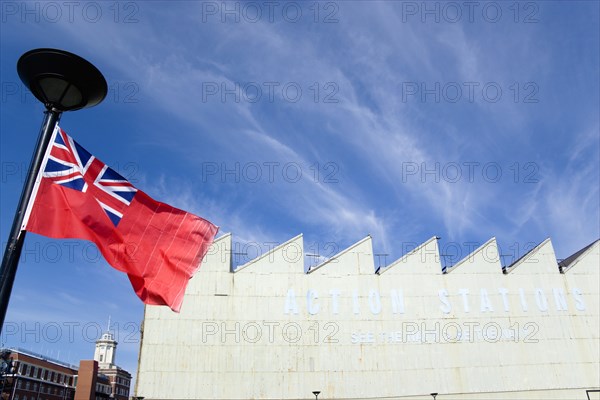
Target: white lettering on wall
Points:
(503, 292)
(465, 293)
(290, 303)
(523, 300)
(559, 299)
(355, 305)
(578, 296)
(540, 299)
(335, 307)
(486, 305)
(445, 307)
(311, 305)
(374, 302)
(397, 301)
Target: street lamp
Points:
(434, 395)
(62, 81)
(316, 393)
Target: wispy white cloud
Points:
(572, 196)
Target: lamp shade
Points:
(61, 80)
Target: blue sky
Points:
(402, 120)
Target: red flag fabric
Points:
(158, 246)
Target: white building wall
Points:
(271, 331)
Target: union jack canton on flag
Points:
(72, 166)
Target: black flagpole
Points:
(10, 260)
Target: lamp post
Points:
(316, 393)
(62, 81)
(434, 395)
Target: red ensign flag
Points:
(158, 246)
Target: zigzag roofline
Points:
(564, 265)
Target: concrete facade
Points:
(271, 331)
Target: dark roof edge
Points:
(568, 262)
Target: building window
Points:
(35, 387)
(101, 357)
(27, 385)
